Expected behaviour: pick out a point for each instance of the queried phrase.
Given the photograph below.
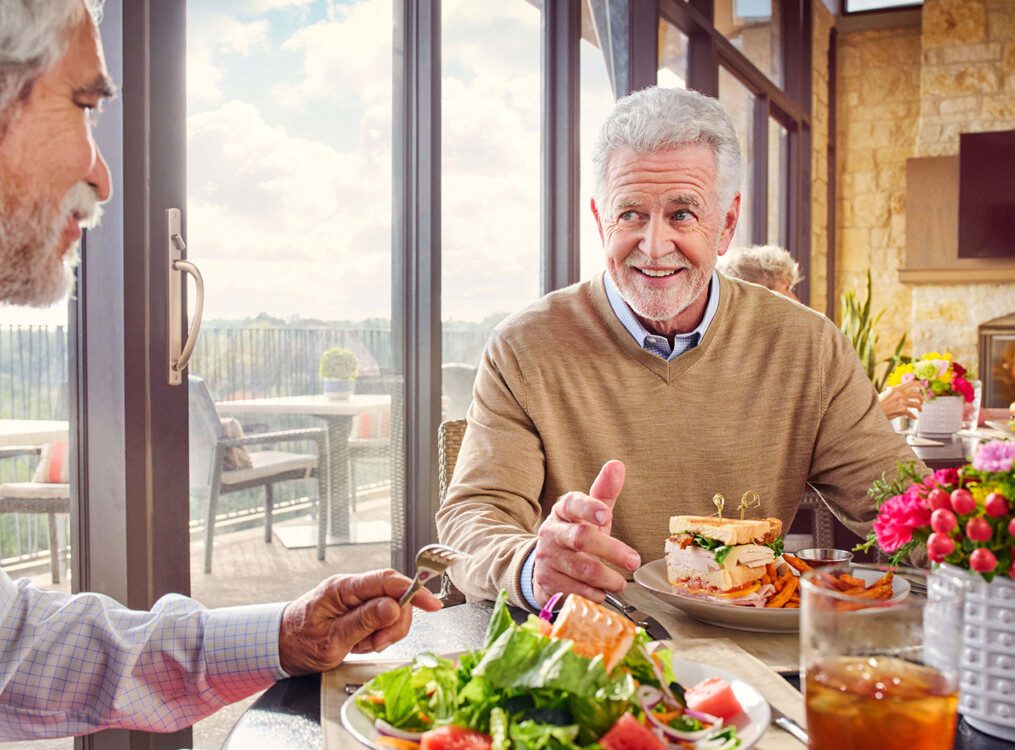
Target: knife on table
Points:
(652, 626)
(787, 724)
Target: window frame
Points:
(116, 387)
(790, 105)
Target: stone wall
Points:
(877, 112)
(967, 84)
(817, 275)
(905, 93)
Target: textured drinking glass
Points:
(971, 409)
(881, 674)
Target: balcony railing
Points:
(235, 362)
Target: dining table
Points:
(337, 415)
(290, 714)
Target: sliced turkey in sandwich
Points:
(722, 559)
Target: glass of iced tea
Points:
(880, 666)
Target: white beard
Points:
(663, 305)
(33, 271)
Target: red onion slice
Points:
(649, 696)
(546, 613)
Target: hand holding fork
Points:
(431, 562)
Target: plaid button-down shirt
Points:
(73, 664)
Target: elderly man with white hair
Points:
(698, 383)
(72, 664)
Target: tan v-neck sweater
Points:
(772, 397)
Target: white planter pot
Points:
(338, 390)
(987, 687)
(941, 415)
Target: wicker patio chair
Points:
(38, 497)
(823, 529)
(449, 443)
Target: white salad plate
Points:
(652, 576)
(751, 724)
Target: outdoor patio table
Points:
(337, 416)
(31, 432)
(289, 714)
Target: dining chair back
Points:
(449, 442)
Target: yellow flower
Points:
(896, 377)
(936, 355)
(980, 492)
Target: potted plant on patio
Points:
(946, 387)
(964, 519)
(339, 368)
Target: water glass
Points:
(971, 409)
(881, 674)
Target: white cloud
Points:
(212, 36)
(344, 58)
(287, 225)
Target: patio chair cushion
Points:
(265, 464)
(372, 426)
(236, 457)
(53, 464)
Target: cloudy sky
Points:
(289, 157)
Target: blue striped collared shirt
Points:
(660, 345)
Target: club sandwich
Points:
(722, 559)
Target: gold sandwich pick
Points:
(751, 499)
(720, 502)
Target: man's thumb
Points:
(610, 482)
(369, 617)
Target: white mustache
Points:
(82, 202)
(673, 260)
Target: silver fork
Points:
(431, 561)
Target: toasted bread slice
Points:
(595, 630)
(774, 531)
(729, 531)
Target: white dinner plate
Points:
(652, 576)
(751, 724)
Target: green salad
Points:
(524, 689)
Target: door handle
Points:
(180, 351)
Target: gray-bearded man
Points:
(72, 664)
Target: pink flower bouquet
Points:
(961, 516)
